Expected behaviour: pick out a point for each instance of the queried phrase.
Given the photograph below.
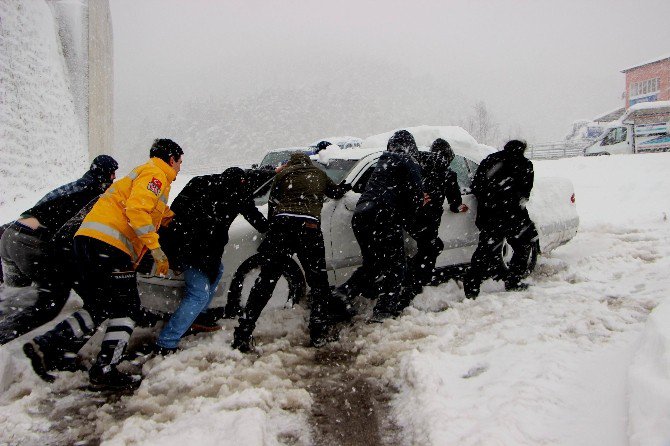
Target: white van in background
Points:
(645, 127)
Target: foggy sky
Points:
(538, 65)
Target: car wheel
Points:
(292, 273)
(506, 256)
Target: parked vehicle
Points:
(276, 157)
(551, 206)
(343, 142)
(643, 128)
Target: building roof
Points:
(657, 59)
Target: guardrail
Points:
(555, 150)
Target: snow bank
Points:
(42, 141)
(649, 383)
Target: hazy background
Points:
(230, 79)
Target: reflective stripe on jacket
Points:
(130, 212)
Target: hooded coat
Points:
(204, 211)
(502, 184)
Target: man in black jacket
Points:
(295, 204)
(502, 185)
(392, 197)
(196, 238)
(31, 255)
(439, 182)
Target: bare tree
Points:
(482, 126)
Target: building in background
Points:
(648, 81)
(85, 33)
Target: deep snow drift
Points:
(546, 366)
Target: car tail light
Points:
(572, 199)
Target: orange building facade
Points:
(648, 82)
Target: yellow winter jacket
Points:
(130, 212)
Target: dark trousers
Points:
(109, 291)
(486, 262)
(424, 230)
(379, 234)
(29, 258)
(287, 236)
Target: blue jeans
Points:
(199, 293)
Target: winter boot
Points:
(104, 374)
(471, 286)
(108, 377)
(514, 285)
(242, 338)
(32, 351)
(56, 349)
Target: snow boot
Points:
(32, 350)
(242, 338)
(108, 377)
(515, 286)
(103, 374)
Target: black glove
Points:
(346, 187)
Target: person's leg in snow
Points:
(198, 294)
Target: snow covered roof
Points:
(657, 59)
(460, 140)
(646, 109)
(612, 115)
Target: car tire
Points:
(292, 273)
(506, 255)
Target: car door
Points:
(458, 231)
(345, 254)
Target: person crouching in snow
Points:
(31, 252)
(108, 246)
(296, 200)
(195, 240)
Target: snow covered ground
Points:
(575, 360)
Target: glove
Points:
(346, 187)
(463, 208)
(161, 265)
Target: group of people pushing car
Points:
(90, 235)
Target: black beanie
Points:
(322, 145)
(516, 146)
(402, 141)
(104, 164)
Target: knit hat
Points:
(104, 164)
(516, 146)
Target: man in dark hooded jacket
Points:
(31, 253)
(195, 239)
(439, 183)
(295, 204)
(392, 197)
(502, 185)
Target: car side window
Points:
(460, 166)
(359, 187)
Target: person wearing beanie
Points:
(31, 255)
(393, 195)
(194, 242)
(502, 186)
(295, 204)
(439, 182)
(322, 145)
(112, 239)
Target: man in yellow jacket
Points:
(109, 244)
